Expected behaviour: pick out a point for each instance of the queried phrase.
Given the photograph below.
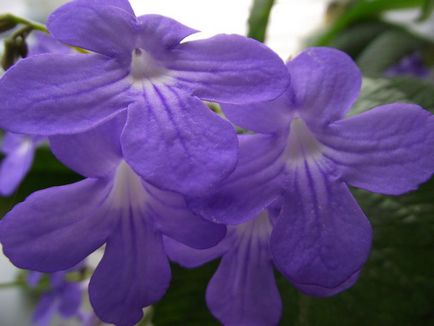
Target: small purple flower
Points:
(56, 228)
(89, 319)
(63, 297)
(139, 65)
(19, 151)
(307, 154)
(410, 65)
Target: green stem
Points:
(258, 19)
(19, 20)
(10, 285)
(426, 10)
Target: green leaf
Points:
(258, 19)
(386, 50)
(354, 39)
(426, 10)
(363, 10)
(184, 303)
(379, 91)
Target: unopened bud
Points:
(21, 47)
(11, 54)
(6, 24)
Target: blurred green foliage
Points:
(427, 9)
(364, 10)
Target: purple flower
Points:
(63, 297)
(307, 154)
(243, 290)
(139, 65)
(19, 151)
(410, 65)
(56, 228)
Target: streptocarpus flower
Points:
(410, 65)
(243, 290)
(307, 154)
(63, 298)
(56, 228)
(141, 66)
(19, 151)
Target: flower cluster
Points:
(63, 297)
(165, 178)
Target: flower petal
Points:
(45, 43)
(243, 291)
(121, 4)
(174, 219)
(389, 149)
(51, 94)
(175, 142)
(189, 257)
(264, 117)
(321, 237)
(133, 273)
(325, 83)
(70, 299)
(11, 142)
(39, 233)
(318, 291)
(229, 69)
(93, 153)
(96, 26)
(33, 278)
(253, 186)
(15, 166)
(45, 310)
(158, 32)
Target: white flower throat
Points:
(128, 190)
(25, 146)
(258, 228)
(146, 70)
(302, 145)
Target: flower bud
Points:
(6, 24)
(11, 54)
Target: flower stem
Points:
(10, 285)
(258, 19)
(12, 19)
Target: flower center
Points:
(25, 146)
(145, 70)
(258, 228)
(302, 144)
(128, 190)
